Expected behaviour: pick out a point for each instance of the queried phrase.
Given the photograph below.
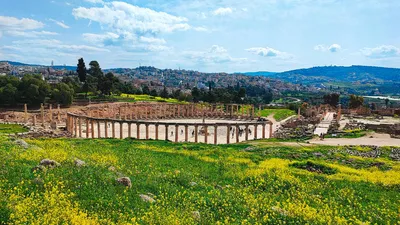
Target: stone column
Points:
(339, 114)
(138, 130)
(246, 132)
(270, 130)
(196, 132)
(255, 131)
(34, 122)
(130, 130)
(206, 134)
(87, 128)
(215, 134)
(237, 133)
(76, 127)
(113, 129)
(298, 113)
(121, 130)
(105, 128)
(98, 129)
(176, 133)
(42, 113)
(228, 134)
(51, 113)
(166, 132)
(80, 126)
(186, 133)
(156, 131)
(58, 113)
(147, 131)
(263, 131)
(92, 126)
(26, 112)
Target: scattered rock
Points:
(39, 168)
(49, 163)
(126, 181)
(219, 187)
(38, 180)
(79, 163)
(196, 215)
(192, 184)
(147, 198)
(22, 143)
(111, 168)
(318, 154)
(248, 149)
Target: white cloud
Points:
(123, 17)
(383, 51)
(222, 11)
(59, 23)
(214, 55)
(153, 40)
(12, 23)
(95, 1)
(332, 48)
(53, 44)
(269, 52)
(31, 34)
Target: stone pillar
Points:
(196, 132)
(246, 132)
(270, 130)
(34, 121)
(121, 130)
(255, 131)
(166, 132)
(215, 134)
(98, 129)
(106, 128)
(138, 130)
(113, 129)
(339, 114)
(206, 134)
(156, 131)
(237, 133)
(58, 113)
(26, 112)
(129, 130)
(51, 113)
(92, 123)
(263, 131)
(76, 127)
(176, 133)
(147, 131)
(42, 113)
(80, 126)
(87, 128)
(186, 133)
(298, 113)
(228, 134)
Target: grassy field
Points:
(254, 183)
(146, 98)
(349, 134)
(11, 129)
(279, 114)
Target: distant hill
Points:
(57, 67)
(340, 74)
(259, 73)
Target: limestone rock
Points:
(39, 168)
(147, 198)
(196, 215)
(318, 154)
(49, 163)
(111, 168)
(22, 143)
(126, 181)
(38, 180)
(79, 163)
(192, 184)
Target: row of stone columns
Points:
(43, 118)
(157, 111)
(75, 126)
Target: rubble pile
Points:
(297, 129)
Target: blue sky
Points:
(204, 35)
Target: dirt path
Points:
(370, 139)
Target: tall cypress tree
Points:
(81, 70)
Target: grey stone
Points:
(126, 181)
(79, 163)
(22, 143)
(147, 198)
(196, 215)
(49, 163)
(192, 183)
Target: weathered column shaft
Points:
(58, 113)
(270, 130)
(26, 112)
(206, 134)
(196, 132)
(87, 128)
(255, 131)
(138, 130)
(263, 131)
(215, 134)
(147, 131)
(237, 133)
(42, 113)
(186, 133)
(106, 128)
(176, 133)
(98, 129)
(80, 127)
(246, 132)
(113, 129)
(92, 126)
(130, 130)
(121, 130)
(228, 134)
(166, 132)
(156, 131)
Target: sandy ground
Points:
(377, 139)
(221, 131)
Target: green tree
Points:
(63, 94)
(145, 90)
(8, 94)
(332, 99)
(355, 101)
(81, 70)
(107, 83)
(33, 89)
(164, 93)
(153, 93)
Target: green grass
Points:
(349, 134)
(236, 184)
(279, 114)
(146, 98)
(12, 129)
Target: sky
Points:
(203, 35)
